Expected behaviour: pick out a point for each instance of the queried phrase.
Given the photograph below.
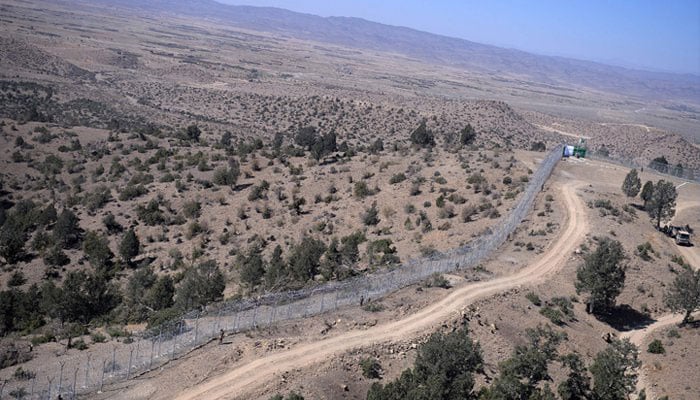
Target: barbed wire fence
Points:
(91, 370)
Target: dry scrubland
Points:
(197, 137)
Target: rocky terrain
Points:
(155, 162)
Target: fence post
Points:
(114, 359)
(102, 380)
(60, 377)
(255, 315)
(87, 370)
(335, 304)
(75, 380)
(196, 328)
(150, 362)
(31, 392)
(128, 370)
(160, 337)
(138, 347)
(218, 321)
(238, 317)
(50, 384)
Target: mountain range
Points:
(432, 48)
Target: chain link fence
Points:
(679, 171)
(103, 364)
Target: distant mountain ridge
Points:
(363, 34)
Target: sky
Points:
(661, 35)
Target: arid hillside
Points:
(154, 164)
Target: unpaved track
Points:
(637, 336)
(690, 254)
(245, 378)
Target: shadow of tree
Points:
(625, 318)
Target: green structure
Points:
(580, 149)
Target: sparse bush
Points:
(373, 307)
(534, 298)
(371, 216)
(656, 347)
(397, 178)
(438, 280)
(553, 314)
(371, 369)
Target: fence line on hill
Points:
(677, 171)
(91, 370)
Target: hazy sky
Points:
(659, 35)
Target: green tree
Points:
(647, 192)
(56, 257)
(660, 164)
(66, 232)
(444, 369)
(631, 184)
(193, 133)
(160, 295)
(522, 372)
(97, 251)
(350, 252)
(662, 204)
(467, 135)
(304, 260)
(276, 269)
(614, 371)
(134, 304)
(130, 246)
(422, 136)
(684, 293)
(306, 137)
(602, 275)
(12, 240)
(252, 267)
(577, 384)
(201, 284)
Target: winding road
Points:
(245, 378)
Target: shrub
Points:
(79, 345)
(192, 209)
(438, 280)
(553, 314)
(361, 190)
(23, 375)
(397, 178)
(224, 176)
(643, 251)
(97, 198)
(656, 347)
(98, 338)
(371, 369)
(534, 298)
(673, 333)
(371, 216)
(373, 307)
(131, 192)
(150, 214)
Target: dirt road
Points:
(245, 378)
(690, 254)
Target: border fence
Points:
(679, 171)
(103, 364)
